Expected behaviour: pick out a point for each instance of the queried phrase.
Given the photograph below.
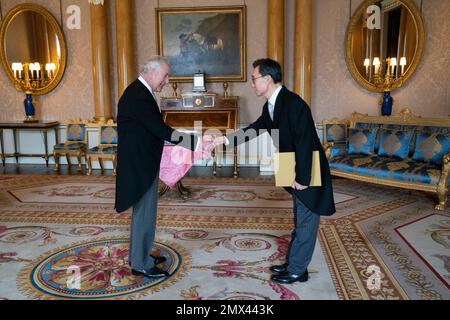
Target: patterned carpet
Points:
(61, 239)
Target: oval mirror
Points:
(33, 50)
(384, 43)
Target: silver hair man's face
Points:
(154, 64)
(156, 74)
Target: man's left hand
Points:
(298, 186)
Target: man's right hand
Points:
(219, 140)
(209, 143)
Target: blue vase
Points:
(386, 107)
(29, 109)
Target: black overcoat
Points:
(297, 133)
(141, 134)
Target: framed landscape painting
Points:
(206, 39)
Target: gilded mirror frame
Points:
(355, 19)
(58, 30)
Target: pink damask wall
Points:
(335, 93)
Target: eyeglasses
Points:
(253, 78)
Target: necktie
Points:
(271, 110)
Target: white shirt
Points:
(273, 98)
(149, 89)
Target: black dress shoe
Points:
(287, 278)
(159, 259)
(279, 269)
(152, 273)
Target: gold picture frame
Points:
(45, 34)
(211, 40)
(359, 38)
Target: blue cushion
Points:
(76, 132)
(431, 147)
(369, 125)
(102, 150)
(438, 130)
(336, 132)
(108, 135)
(71, 146)
(338, 150)
(394, 143)
(361, 141)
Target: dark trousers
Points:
(143, 228)
(303, 238)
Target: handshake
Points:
(207, 144)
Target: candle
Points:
(393, 64)
(16, 67)
(376, 63)
(403, 64)
(37, 67)
(367, 64)
(31, 69)
(50, 67)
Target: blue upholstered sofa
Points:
(403, 150)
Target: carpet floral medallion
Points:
(60, 238)
(94, 269)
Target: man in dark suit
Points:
(142, 133)
(286, 112)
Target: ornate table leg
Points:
(182, 189)
(46, 146)
(1, 147)
(214, 157)
(235, 172)
(16, 154)
(163, 190)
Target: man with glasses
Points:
(286, 112)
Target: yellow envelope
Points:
(285, 169)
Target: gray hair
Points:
(153, 64)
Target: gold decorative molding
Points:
(404, 117)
